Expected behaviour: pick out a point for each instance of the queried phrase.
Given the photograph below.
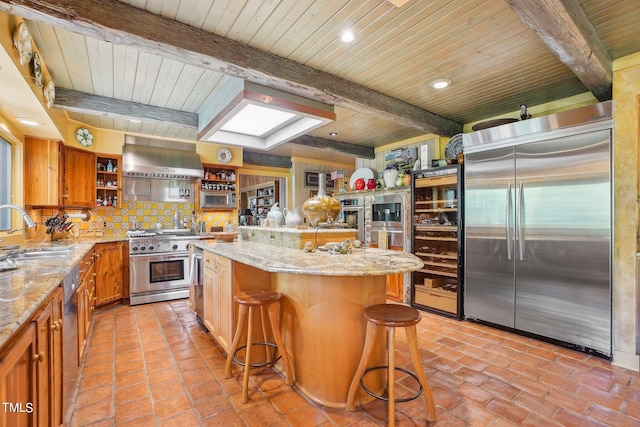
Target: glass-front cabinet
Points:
(437, 240)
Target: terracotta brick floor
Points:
(153, 365)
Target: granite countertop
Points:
(24, 289)
(361, 262)
(294, 230)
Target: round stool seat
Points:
(257, 297)
(392, 315)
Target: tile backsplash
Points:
(145, 215)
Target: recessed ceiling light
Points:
(440, 83)
(27, 122)
(348, 36)
(333, 133)
(134, 121)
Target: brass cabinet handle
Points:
(55, 326)
(38, 357)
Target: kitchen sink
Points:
(41, 254)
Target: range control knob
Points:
(150, 247)
(143, 247)
(174, 247)
(134, 248)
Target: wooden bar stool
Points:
(247, 301)
(392, 316)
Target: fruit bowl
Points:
(225, 236)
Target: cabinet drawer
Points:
(441, 300)
(210, 260)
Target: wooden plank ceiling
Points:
(174, 54)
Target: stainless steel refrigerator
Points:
(538, 227)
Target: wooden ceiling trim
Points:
(154, 33)
(79, 102)
(264, 159)
(566, 30)
(335, 146)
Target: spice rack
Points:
(108, 179)
(215, 178)
(437, 240)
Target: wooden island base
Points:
(323, 328)
(322, 307)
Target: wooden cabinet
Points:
(218, 298)
(78, 178)
(108, 265)
(57, 175)
(31, 370)
(437, 240)
(395, 287)
(48, 323)
(216, 178)
(84, 321)
(42, 172)
(18, 380)
(85, 294)
(108, 178)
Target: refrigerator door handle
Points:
(507, 222)
(519, 236)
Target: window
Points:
(5, 184)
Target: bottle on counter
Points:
(176, 220)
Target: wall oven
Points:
(218, 199)
(353, 213)
(387, 212)
(159, 267)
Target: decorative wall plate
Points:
(22, 42)
(224, 155)
(453, 147)
(37, 70)
(50, 93)
(84, 137)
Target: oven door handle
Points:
(169, 256)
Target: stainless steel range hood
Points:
(152, 158)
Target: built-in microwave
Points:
(217, 199)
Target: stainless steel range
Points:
(159, 265)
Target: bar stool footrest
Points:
(386, 399)
(256, 365)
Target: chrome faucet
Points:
(27, 219)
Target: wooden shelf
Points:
(102, 175)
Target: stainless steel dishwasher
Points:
(70, 334)
(196, 281)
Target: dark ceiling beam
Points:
(335, 146)
(119, 23)
(263, 159)
(84, 103)
(565, 29)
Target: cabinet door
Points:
(108, 267)
(42, 322)
(225, 302)
(82, 318)
(42, 172)
(18, 380)
(56, 409)
(79, 178)
(395, 287)
(209, 299)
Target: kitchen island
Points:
(323, 299)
